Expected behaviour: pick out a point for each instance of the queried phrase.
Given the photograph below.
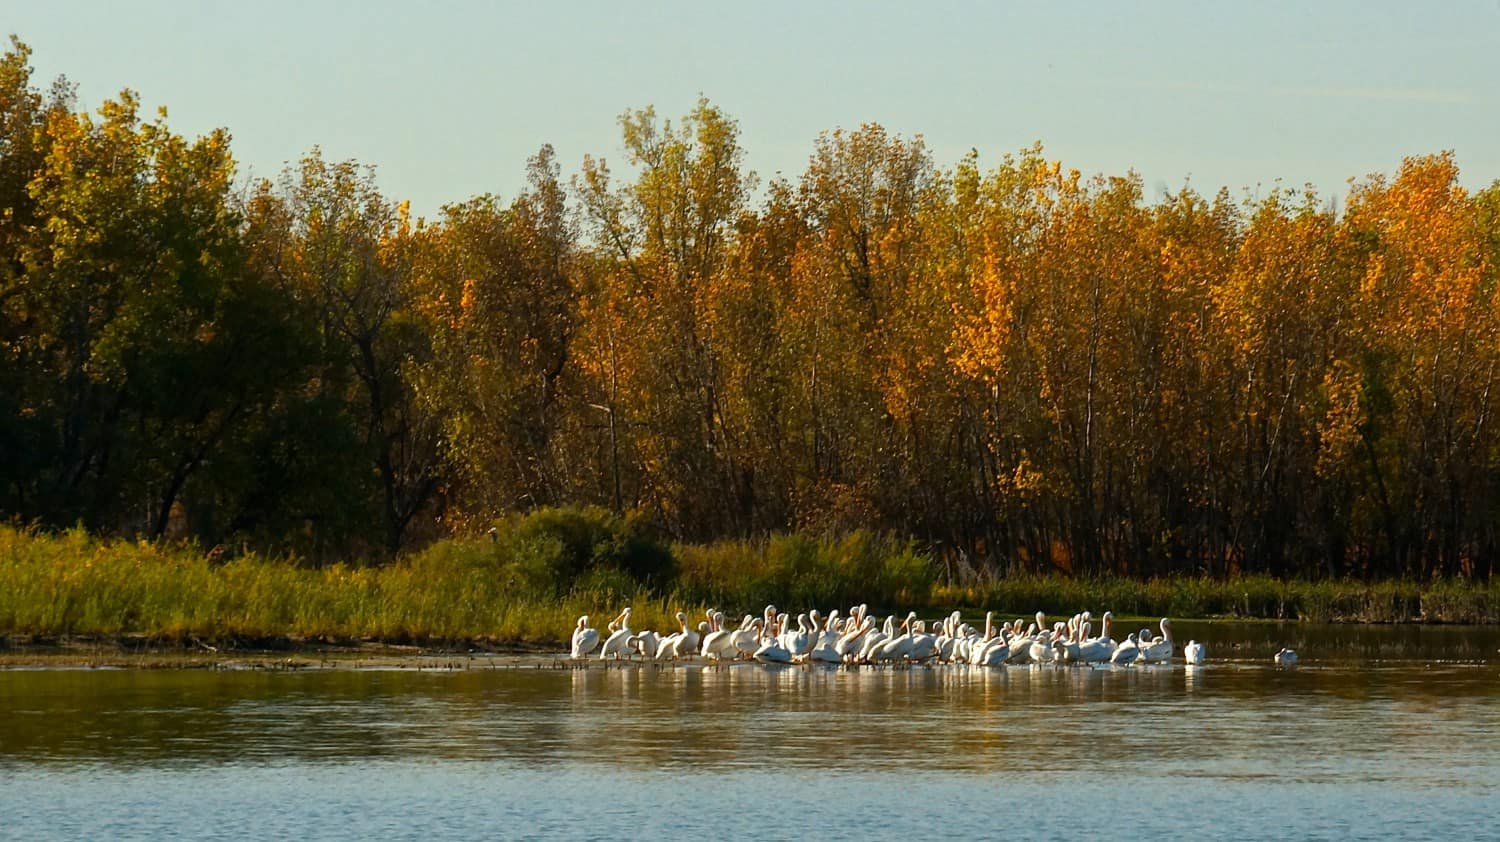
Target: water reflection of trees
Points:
(744, 716)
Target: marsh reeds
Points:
(75, 585)
(532, 579)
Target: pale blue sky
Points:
(448, 99)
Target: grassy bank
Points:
(529, 583)
(75, 585)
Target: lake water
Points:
(1380, 733)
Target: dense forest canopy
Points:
(1021, 366)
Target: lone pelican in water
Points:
(1193, 652)
(1286, 658)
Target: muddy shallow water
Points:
(1380, 733)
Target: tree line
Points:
(1022, 367)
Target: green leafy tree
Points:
(351, 251)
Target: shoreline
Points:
(294, 653)
(286, 653)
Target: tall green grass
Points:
(73, 584)
(530, 582)
(801, 570)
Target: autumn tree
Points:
(1427, 332)
(650, 344)
(495, 284)
(870, 326)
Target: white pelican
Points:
(875, 638)
(1286, 658)
(824, 650)
(769, 627)
(788, 635)
(718, 644)
(852, 641)
(968, 648)
(953, 644)
(1060, 651)
(1159, 649)
(1068, 647)
(1097, 650)
(899, 646)
(1020, 644)
(1127, 652)
(585, 639)
(923, 644)
(685, 646)
(616, 644)
(949, 638)
(1041, 648)
(746, 638)
(666, 647)
(801, 641)
(964, 642)
(833, 626)
(1193, 652)
(993, 653)
(646, 644)
(773, 652)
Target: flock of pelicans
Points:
(857, 639)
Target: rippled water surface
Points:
(1380, 734)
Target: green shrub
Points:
(553, 548)
(803, 570)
